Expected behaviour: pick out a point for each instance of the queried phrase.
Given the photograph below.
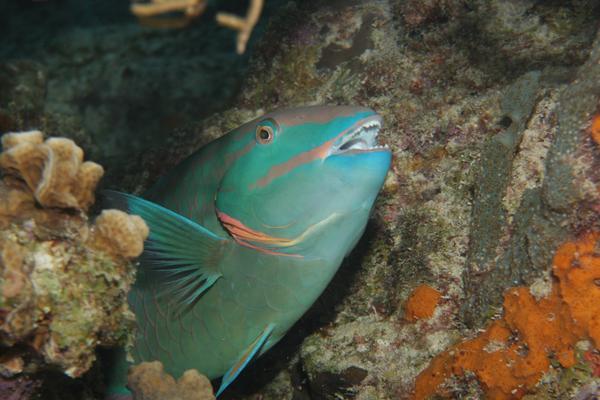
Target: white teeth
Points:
(363, 138)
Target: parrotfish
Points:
(246, 233)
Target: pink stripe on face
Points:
(302, 158)
(319, 152)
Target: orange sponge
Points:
(595, 128)
(510, 357)
(422, 303)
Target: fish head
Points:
(305, 182)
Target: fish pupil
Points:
(264, 134)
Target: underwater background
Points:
(479, 273)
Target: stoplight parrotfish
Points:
(246, 233)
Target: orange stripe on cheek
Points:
(242, 234)
(240, 231)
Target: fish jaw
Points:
(360, 138)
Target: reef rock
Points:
(489, 109)
(63, 284)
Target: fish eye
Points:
(265, 133)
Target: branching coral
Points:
(148, 381)
(510, 357)
(244, 26)
(63, 281)
(191, 8)
(194, 8)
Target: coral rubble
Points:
(148, 381)
(63, 284)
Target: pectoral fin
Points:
(246, 356)
(180, 256)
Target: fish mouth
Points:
(361, 138)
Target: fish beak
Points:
(361, 138)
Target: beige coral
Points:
(14, 280)
(148, 381)
(12, 200)
(120, 233)
(63, 282)
(192, 9)
(244, 26)
(54, 170)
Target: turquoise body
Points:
(279, 215)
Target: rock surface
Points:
(494, 168)
(489, 108)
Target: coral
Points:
(192, 9)
(54, 170)
(63, 283)
(14, 281)
(513, 353)
(148, 381)
(120, 233)
(422, 303)
(244, 26)
(147, 11)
